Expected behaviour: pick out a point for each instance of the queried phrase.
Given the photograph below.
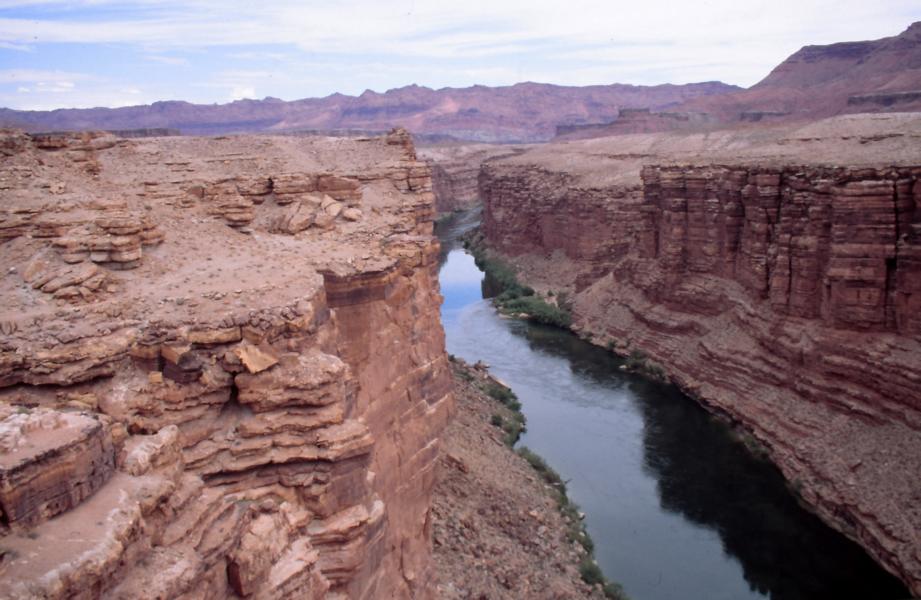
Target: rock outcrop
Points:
(821, 81)
(455, 168)
(241, 390)
(784, 295)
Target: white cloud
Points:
(299, 48)
(168, 60)
(36, 75)
(240, 92)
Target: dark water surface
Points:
(678, 509)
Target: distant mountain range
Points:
(524, 112)
(822, 81)
(815, 82)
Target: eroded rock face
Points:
(455, 168)
(784, 297)
(251, 410)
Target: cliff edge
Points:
(222, 372)
(775, 274)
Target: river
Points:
(678, 509)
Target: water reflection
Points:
(705, 475)
(677, 508)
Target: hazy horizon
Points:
(90, 53)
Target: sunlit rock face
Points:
(784, 295)
(222, 367)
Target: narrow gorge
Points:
(222, 370)
(774, 274)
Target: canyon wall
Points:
(455, 169)
(784, 297)
(222, 370)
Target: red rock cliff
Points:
(785, 297)
(222, 372)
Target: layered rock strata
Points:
(455, 168)
(250, 401)
(784, 296)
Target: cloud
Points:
(16, 47)
(299, 48)
(42, 75)
(168, 60)
(240, 92)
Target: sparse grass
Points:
(546, 472)
(505, 395)
(576, 533)
(639, 362)
(514, 426)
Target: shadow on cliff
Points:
(709, 478)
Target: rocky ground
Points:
(222, 370)
(497, 530)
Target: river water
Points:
(677, 508)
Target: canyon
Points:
(774, 274)
(456, 169)
(222, 370)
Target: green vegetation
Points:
(505, 395)
(514, 426)
(638, 362)
(588, 569)
(512, 297)
(536, 309)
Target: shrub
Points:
(513, 297)
(504, 395)
(538, 310)
(590, 571)
(545, 471)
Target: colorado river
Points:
(677, 508)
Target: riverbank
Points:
(498, 529)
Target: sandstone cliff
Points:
(222, 372)
(782, 292)
(455, 169)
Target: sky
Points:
(85, 53)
